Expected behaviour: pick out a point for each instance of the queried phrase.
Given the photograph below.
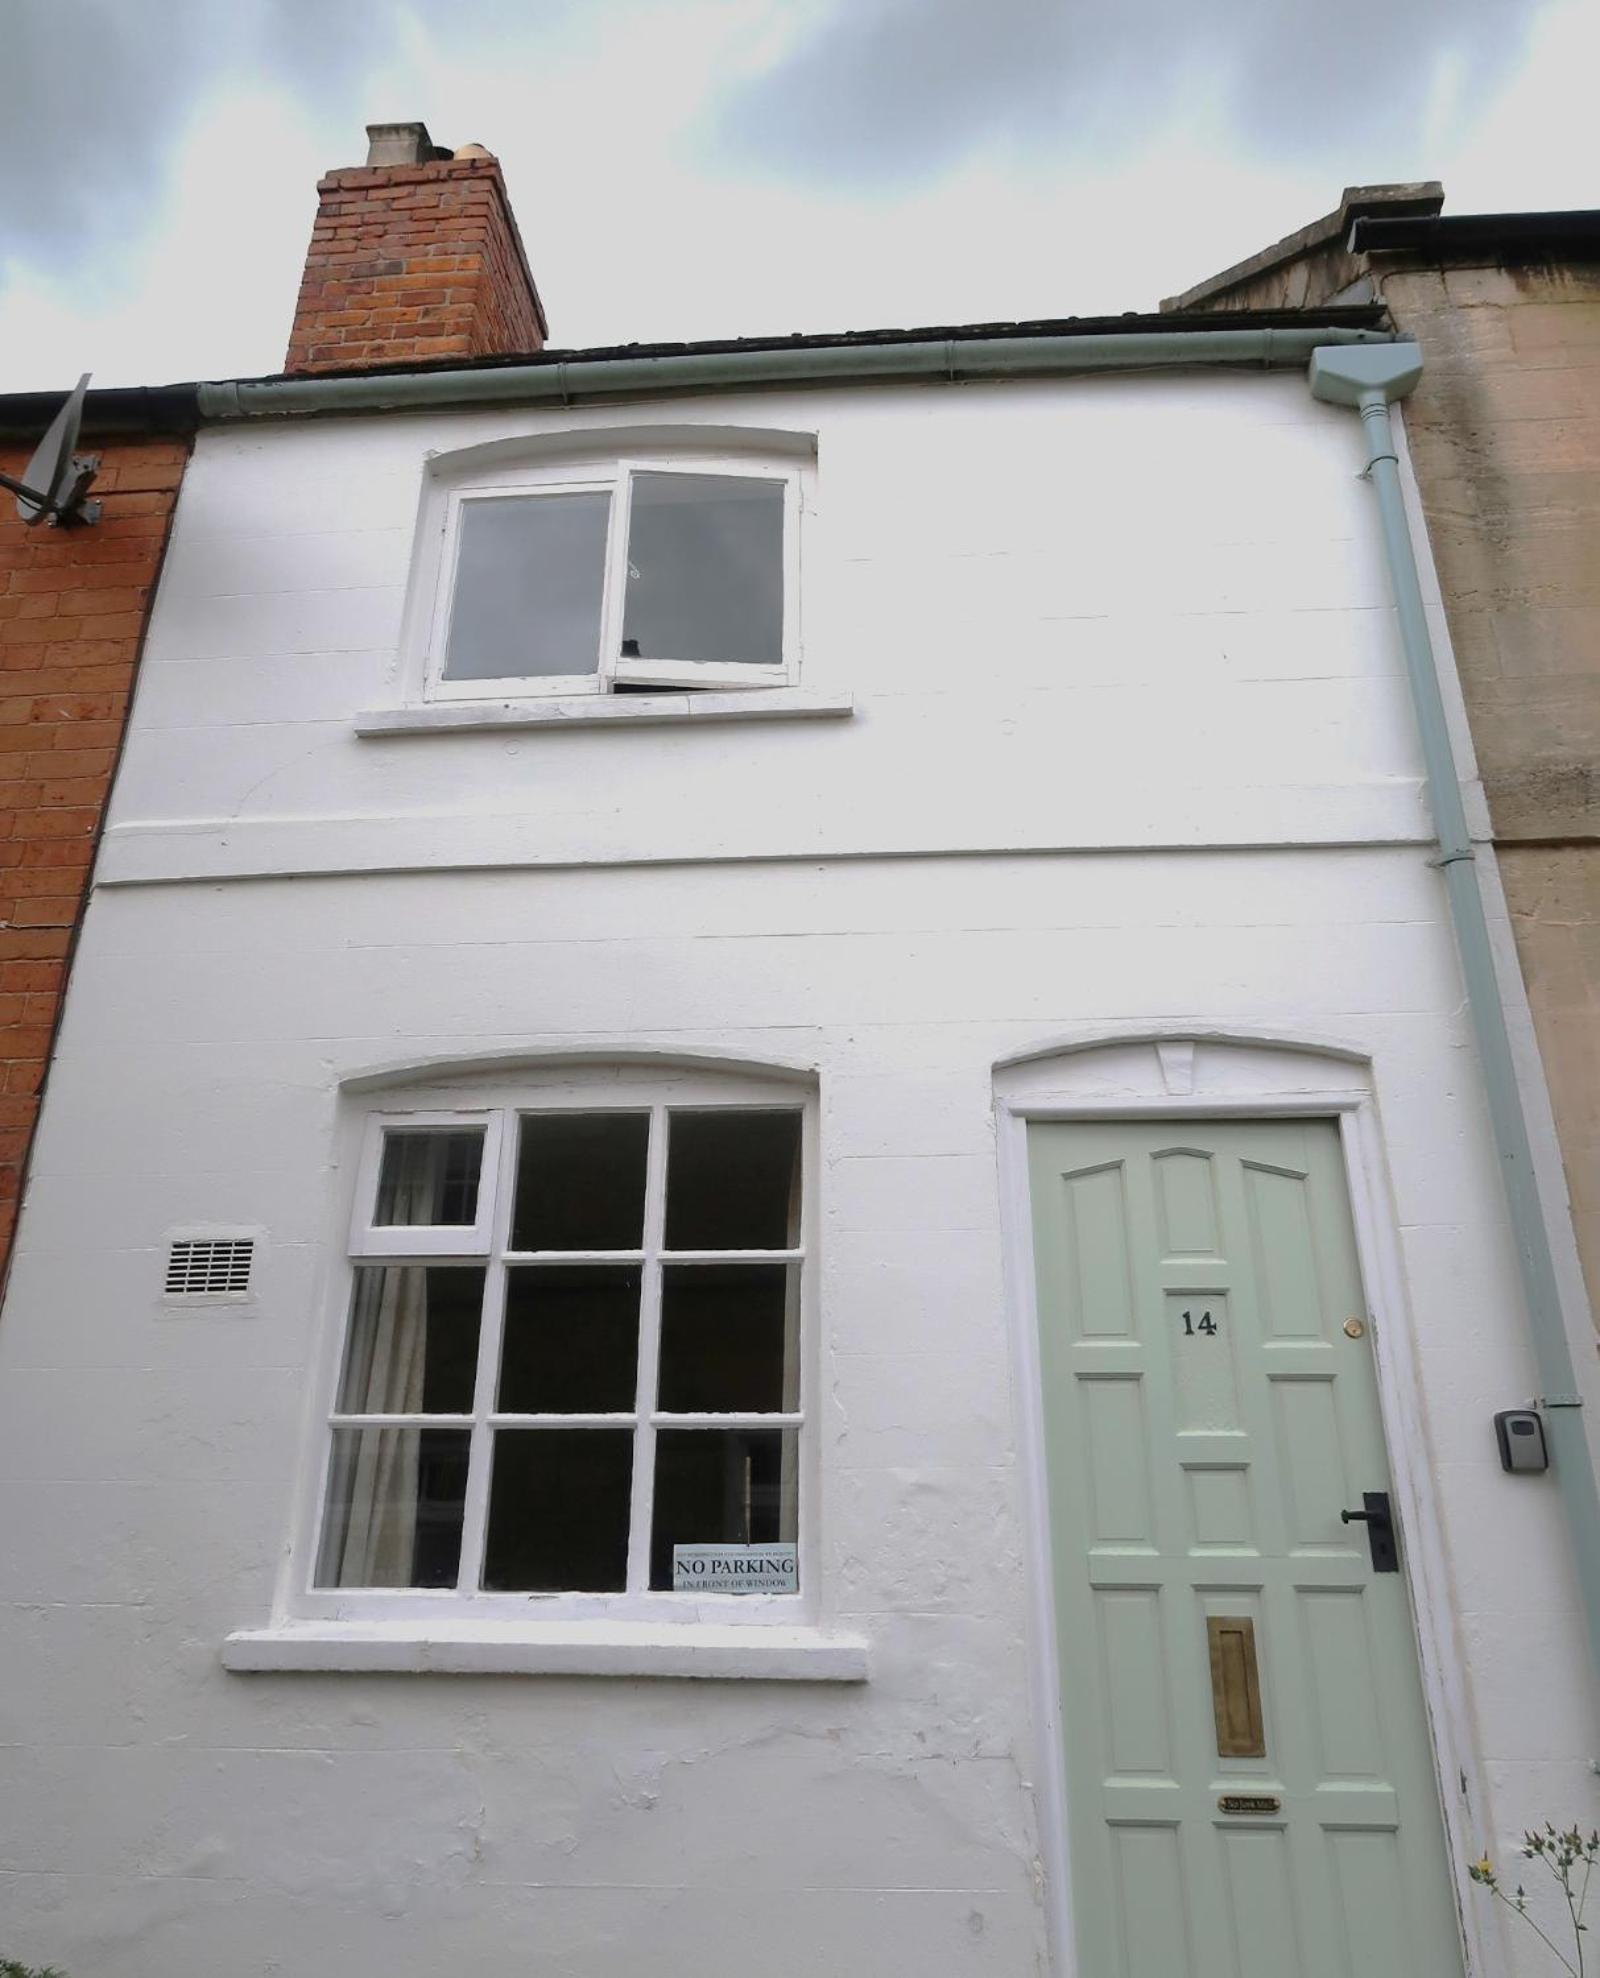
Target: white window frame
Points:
(403, 1240)
(614, 478)
(601, 1092)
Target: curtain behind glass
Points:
(376, 1472)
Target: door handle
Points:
(1378, 1517)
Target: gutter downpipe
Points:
(1370, 380)
(947, 360)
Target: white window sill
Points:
(596, 1648)
(595, 710)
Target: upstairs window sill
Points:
(760, 1654)
(597, 710)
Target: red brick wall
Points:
(72, 611)
(413, 262)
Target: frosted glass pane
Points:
(705, 570)
(529, 576)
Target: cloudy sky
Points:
(692, 168)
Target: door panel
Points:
(1207, 1417)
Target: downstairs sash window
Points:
(571, 1356)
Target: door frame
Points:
(1159, 1072)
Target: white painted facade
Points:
(1100, 732)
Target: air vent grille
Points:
(209, 1266)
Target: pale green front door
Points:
(1250, 1789)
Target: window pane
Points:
(730, 1338)
(413, 1346)
(530, 572)
(705, 569)
(395, 1500)
(722, 1487)
(580, 1182)
(429, 1177)
(558, 1511)
(571, 1339)
(733, 1181)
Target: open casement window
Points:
(644, 575)
(572, 1346)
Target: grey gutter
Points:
(1370, 380)
(952, 360)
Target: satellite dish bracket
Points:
(69, 506)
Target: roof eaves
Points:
(1416, 196)
(1555, 236)
(110, 412)
(1354, 316)
(133, 410)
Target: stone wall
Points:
(1505, 435)
(1504, 432)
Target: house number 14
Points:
(1192, 1325)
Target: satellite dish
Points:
(54, 482)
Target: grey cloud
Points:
(891, 90)
(77, 83)
(95, 96)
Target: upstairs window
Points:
(645, 575)
(571, 1356)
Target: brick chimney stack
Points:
(414, 255)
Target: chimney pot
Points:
(401, 144)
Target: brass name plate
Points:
(1249, 1803)
(1235, 1686)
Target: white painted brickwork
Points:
(1129, 747)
